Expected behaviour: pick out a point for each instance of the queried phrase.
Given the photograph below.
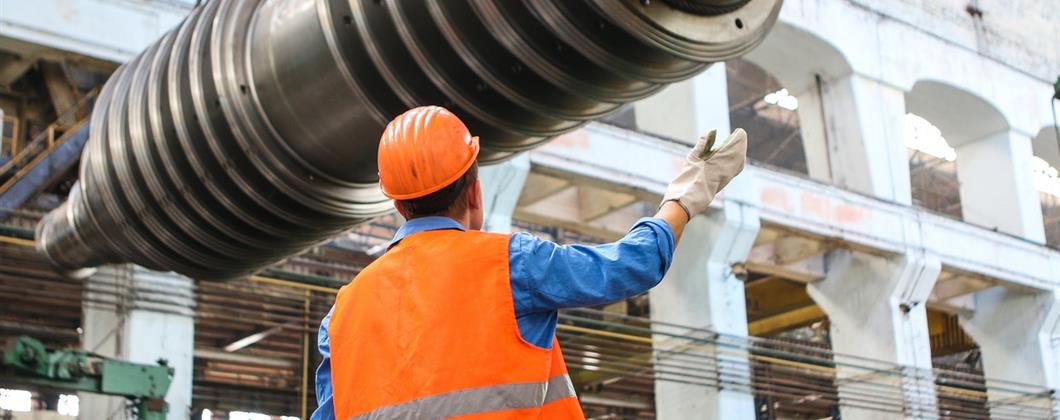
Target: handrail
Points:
(52, 144)
(47, 137)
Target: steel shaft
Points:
(248, 133)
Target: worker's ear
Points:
(401, 209)
(474, 196)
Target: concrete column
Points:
(814, 131)
(852, 130)
(139, 315)
(997, 185)
(701, 291)
(876, 309)
(1018, 333)
(502, 184)
(686, 110)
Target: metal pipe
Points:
(248, 133)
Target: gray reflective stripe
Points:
(559, 387)
(477, 400)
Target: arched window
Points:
(944, 122)
(932, 167)
(1046, 167)
(769, 112)
(778, 88)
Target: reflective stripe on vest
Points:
(478, 400)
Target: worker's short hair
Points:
(444, 201)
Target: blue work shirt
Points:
(546, 277)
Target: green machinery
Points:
(27, 362)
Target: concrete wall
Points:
(879, 46)
(112, 30)
(1009, 31)
(140, 316)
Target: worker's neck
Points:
(463, 218)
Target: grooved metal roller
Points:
(248, 133)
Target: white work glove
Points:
(707, 171)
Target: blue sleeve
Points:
(546, 276)
(325, 410)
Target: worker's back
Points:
(429, 331)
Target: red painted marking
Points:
(814, 204)
(573, 140)
(849, 214)
(776, 198)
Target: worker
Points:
(451, 321)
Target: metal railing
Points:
(609, 349)
(46, 141)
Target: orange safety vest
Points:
(428, 331)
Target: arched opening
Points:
(958, 364)
(942, 127)
(1046, 167)
(792, 363)
(782, 86)
(932, 167)
(768, 111)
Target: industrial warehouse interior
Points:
(186, 185)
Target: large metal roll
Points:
(248, 133)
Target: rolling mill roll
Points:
(248, 133)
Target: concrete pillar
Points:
(701, 291)
(139, 315)
(997, 185)
(686, 110)
(813, 130)
(876, 309)
(852, 129)
(502, 184)
(1018, 333)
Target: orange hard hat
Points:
(422, 151)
